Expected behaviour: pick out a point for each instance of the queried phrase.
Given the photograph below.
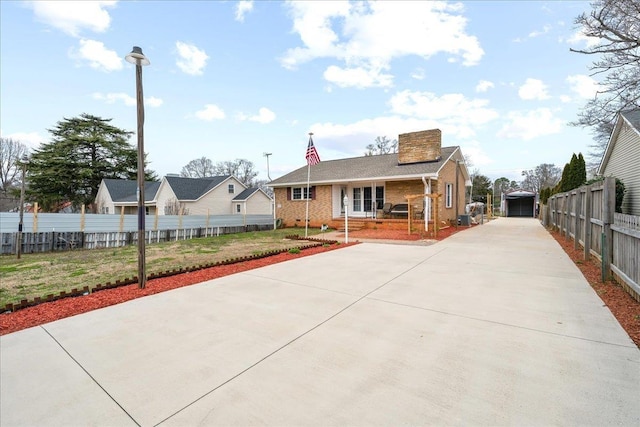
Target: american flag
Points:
(312, 155)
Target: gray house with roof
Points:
(173, 195)
(621, 158)
(372, 184)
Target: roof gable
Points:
(632, 118)
(194, 188)
(126, 190)
(247, 193)
(364, 168)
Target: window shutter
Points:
(312, 190)
(288, 193)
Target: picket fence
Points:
(95, 231)
(587, 215)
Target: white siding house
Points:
(622, 159)
(189, 196)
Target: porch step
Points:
(353, 226)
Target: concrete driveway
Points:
(493, 326)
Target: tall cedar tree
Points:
(83, 151)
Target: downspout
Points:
(426, 203)
(457, 188)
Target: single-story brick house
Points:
(372, 183)
(216, 195)
(621, 159)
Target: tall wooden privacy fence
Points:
(587, 215)
(57, 232)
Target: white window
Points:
(300, 193)
(448, 195)
(232, 189)
(238, 207)
(105, 210)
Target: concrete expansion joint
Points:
(89, 375)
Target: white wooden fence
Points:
(587, 215)
(52, 232)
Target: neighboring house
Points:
(174, 195)
(622, 158)
(371, 183)
(115, 194)
(252, 200)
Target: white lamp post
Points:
(137, 58)
(346, 218)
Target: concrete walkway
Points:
(492, 326)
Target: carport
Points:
(520, 204)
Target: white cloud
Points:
(111, 98)
(152, 101)
(30, 139)
(74, 16)
(531, 124)
(565, 98)
(210, 112)
(579, 37)
(585, 86)
(476, 154)
(366, 36)
(462, 115)
(418, 74)
(243, 7)
(533, 89)
(538, 33)
(484, 85)
(264, 116)
(97, 56)
(130, 101)
(191, 59)
(357, 77)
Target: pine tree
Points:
(83, 151)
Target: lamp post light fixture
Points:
(345, 201)
(137, 58)
(267, 156)
(23, 162)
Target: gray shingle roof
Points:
(633, 116)
(246, 194)
(193, 188)
(363, 168)
(125, 190)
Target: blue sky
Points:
(234, 80)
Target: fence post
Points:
(576, 224)
(608, 209)
(587, 224)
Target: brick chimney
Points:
(419, 147)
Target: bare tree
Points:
(11, 153)
(242, 169)
(198, 168)
(543, 176)
(174, 207)
(616, 23)
(382, 145)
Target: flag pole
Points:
(306, 215)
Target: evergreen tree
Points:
(581, 170)
(83, 151)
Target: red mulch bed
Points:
(624, 308)
(443, 233)
(50, 311)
